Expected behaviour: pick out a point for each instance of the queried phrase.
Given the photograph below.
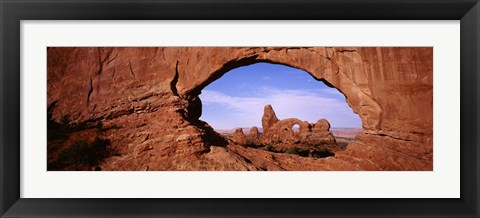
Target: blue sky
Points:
(238, 97)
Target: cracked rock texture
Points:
(151, 96)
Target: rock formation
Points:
(239, 137)
(321, 133)
(150, 96)
(269, 118)
(254, 135)
(281, 131)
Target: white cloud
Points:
(231, 111)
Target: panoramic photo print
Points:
(239, 109)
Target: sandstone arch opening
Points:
(296, 128)
(234, 103)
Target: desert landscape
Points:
(140, 109)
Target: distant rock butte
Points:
(150, 95)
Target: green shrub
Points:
(293, 150)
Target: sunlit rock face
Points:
(150, 96)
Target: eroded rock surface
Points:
(150, 96)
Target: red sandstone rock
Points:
(151, 95)
(239, 137)
(321, 135)
(254, 135)
(269, 118)
(281, 131)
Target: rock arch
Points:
(152, 94)
(361, 103)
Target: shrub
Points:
(317, 145)
(65, 121)
(81, 155)
(305, 153)
(58, 130)
(293, 150)
(342, 145)
(61, 129)
(321, 154)
(270, 148)
(99, 125)
(253, 144)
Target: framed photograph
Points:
(239, 108)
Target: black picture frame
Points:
(13, 11)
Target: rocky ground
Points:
(102, 146)
(250, 157)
